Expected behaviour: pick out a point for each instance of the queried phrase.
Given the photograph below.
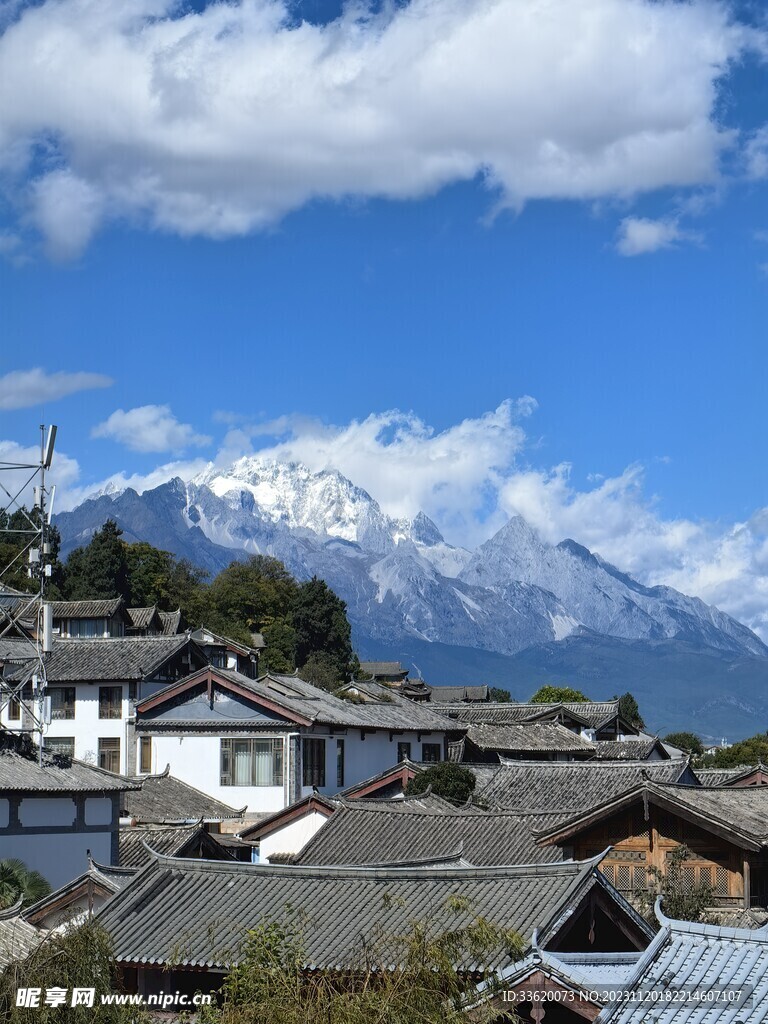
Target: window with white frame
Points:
(252, 762)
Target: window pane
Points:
(62, 702)
(145, 754)
(430, 752)
(403, 751)
(109, 754)
(313, 762)
(61, 745)
(339, 762)
(110, 702)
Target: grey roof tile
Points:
(172, 840)
(116, 658)
(18, 938)
(163, 798)
(628, 750)
(457, 694)
(542, 736)
(538, 787)
(100, 609)
(372, 832)
(703, 958)
(21, 771)
(196, 912)
(592, 713)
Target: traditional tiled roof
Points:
(196, 912)
(458, 694)
(172, 840)
(542, 736)
(738, 814)
(629, 750)
(315, 803)
(17, 937)
(107, 878)
(372, 832)
(163, 798)
(372, 706)
(171, 621)
(699, 958)
(537, 787)
(141, 618)
(383, 668)
(15, 651)
(726, 776)
(103, 609)
(591, 713)
(115, 658)
(21, 771)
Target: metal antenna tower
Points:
(24, 615)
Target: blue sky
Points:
(264, 233)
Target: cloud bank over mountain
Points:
(471, 477)
(219, 121)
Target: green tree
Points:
(321, 670)
(16, 880)
(680, 899)
(100, 569)
(451, 781)
(16, 539)
(498, 695)
(77, 957)
(247, 596)
(686, 741)
(280, 652)
(558, 695)
(269, 984)
(629, 710)
(749, 751)
(320, 620)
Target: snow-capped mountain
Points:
(399, 577)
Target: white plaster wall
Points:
(196, 760)
(292, 837)
(98, 810)
(364, 758)
(59, 857)
(87, 727)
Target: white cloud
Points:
(21, 389)
(67, 210)
(149, 428)
(217, 122)
(64, 473)
(638, 235)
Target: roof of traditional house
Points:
(738, 814)
(104, 879)
(383, 668)
(536, 787)
(163, 798)
(630, 750)
(195, 913)
(21, 770)
(547, 737)
(143, 618)
(369, 705)
(728, 776)
(315, 803)
(171, 621)
(18, 938)
(701, 959)
(98, 609)
(380, 831)
(112, 658)
(458, 694)
(138, 843)
(592, 714)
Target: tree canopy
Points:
(558, 695)
(686, 741)
(629, 710)
(451, 781)
(749, 751)
(304, 625)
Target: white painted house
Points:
(93, 686)
(268, 742)
(52, 815)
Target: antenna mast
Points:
(24, 615)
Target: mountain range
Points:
(515, 612)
